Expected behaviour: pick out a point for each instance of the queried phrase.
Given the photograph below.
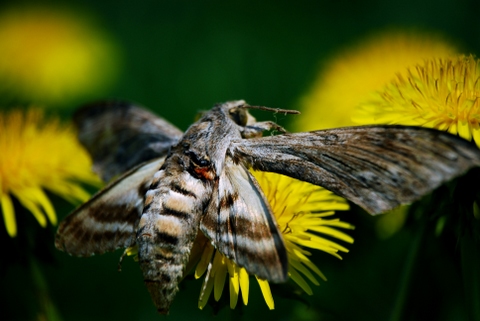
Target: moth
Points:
(168, 186)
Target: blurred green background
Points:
(180, 57)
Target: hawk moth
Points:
(170, 185)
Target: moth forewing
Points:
(240, 224)
(108, 221)
(376, 167)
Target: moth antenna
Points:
(274, 110)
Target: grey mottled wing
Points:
(240, 224)
(376, 167)
(120, 135)
(108, 221)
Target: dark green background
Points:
(180, 57)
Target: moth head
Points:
(237, 111)
(241, 116)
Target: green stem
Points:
(405, 279)
(470, 260)
(47, 310)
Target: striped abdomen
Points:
(167, 229)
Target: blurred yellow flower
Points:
(352, 75)
(38, 154)
(438, 93)
(49, 55)
(300, 209)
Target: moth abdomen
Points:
(177, 188)
(161, 280)
(164, 243)
(172, 210)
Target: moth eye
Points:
(202, 162)
(239, 116)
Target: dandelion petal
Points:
(8, 215)
(267, 294)
(244, 285)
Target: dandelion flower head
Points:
(350, 76)
(49, 55)
(438, 93)
(38, 155)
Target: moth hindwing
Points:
(178, 185)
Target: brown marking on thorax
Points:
(205, 172)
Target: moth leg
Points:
(121, 261)
(132, 250)
(256, 129)
(207, 278)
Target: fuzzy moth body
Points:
(167, 229)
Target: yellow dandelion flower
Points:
(439, 93)
(301, 210)
(39, 155)
(48, 55)
(350, 76)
